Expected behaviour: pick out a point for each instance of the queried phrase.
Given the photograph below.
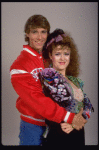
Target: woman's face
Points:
(60, 58)
(37, 38)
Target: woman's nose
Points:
(62, 57)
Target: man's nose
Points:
(39, 36)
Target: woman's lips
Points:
(62, 63)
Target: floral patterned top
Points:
(59, 90)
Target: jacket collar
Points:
(77, 81)
(31, 51)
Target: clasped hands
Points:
(77, 123)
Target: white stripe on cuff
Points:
(67, 116)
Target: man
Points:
(32, 104)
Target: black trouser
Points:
(56, 137)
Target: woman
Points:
(62, 85)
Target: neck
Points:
(38, 50)
(63, 72)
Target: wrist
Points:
(69, 117)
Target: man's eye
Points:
(44, 31)
(34, 31)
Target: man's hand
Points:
(78, 121)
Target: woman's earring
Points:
(51, 65)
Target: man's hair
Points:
(36, 21)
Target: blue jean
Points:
(31, 134)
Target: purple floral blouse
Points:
(59, 90)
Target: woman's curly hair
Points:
(73, 68)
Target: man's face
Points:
(37, 38)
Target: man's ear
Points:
(27, 34)
(50, 56)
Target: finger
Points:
(81, 111)
(62, 124)
(77, 128)
(64, 128)
(67, 131)
(80, 127)
(85, 121)
(65, 125)
(70, 130)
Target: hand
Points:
(78, 121)
(66, 127)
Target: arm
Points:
(32, 96)
(88, 108)
(48, 76)
(78, 123)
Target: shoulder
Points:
(27, 59)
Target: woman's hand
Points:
(66, 127)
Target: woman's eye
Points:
(66, 53)
(57, 54)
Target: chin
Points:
(38, 48)
(61, 69)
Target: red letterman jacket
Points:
(32, 104)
